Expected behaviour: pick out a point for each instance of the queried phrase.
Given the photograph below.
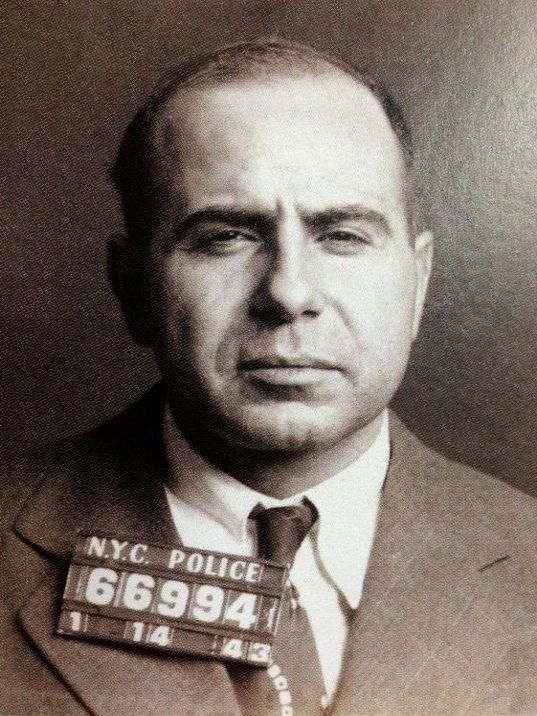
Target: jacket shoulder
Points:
(134, 430)
(466, 500)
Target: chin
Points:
(289, 428)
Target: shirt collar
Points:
(204, 487)
(347, 503)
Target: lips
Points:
(276, 361)
(288, 371)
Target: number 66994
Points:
(172, 598)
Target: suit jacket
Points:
(446, 624)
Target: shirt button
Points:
(325, 701)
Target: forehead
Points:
(318, 140)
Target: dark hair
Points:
(132, 171)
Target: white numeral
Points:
(138, 594)
(160, 635)
(174, 598)
(242, 611)
(259, 652)
(100, 586)
(138, 631)
(209, 602)
(76, 620)
(233, 648)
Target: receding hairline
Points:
(296, 62)
(264, 59)
(192, 93)
(178, 105)
(189, 110)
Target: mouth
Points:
(297, 371)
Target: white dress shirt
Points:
(211, 511)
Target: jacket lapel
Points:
(114, 485)
(408, 648)
(111, 681)
(421, 636)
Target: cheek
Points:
(194, 309)
(377, 304)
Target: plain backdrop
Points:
(73, 73)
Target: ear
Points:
(423, 256)
(127, 279)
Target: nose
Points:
(287, 290)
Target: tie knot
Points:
(281, 530)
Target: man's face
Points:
(283, 288)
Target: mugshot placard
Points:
(180, 600)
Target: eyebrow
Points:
(228, 215)
(265, 222)
(337, 215)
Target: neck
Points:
(280, 474)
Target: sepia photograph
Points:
(269, 399)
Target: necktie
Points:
(293, 683)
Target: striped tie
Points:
(293, 683)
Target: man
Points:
(274, 263)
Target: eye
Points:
(344, 241)
(224, 241)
